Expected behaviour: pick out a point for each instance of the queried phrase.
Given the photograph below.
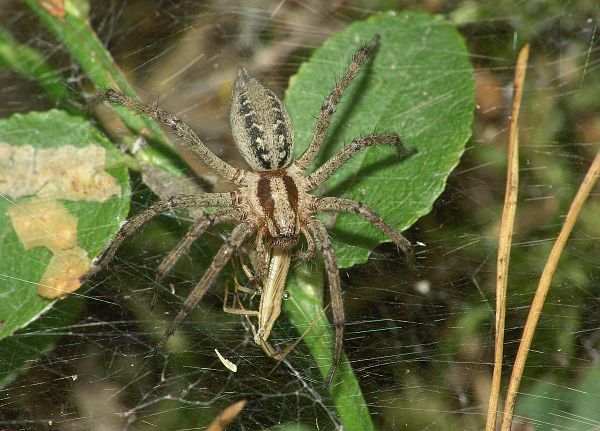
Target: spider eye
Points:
(286, 232)
(260, 125)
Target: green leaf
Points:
(97, 221)
(418, 84)
(305, 310)
(18, 351)
(586, 401)
(31, 64)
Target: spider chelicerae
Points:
(272, 200)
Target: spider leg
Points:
(189, 140)
(311, 250)
(335, 292)
(203, 223)
(342, 156)
(328, 107)
(281, 355)
(132, 225)
(238, 236)
(338, 205)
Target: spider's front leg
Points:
(190, 141)
(341, 157)
(328, 107)
(235, 240)
(174, 202)
(340, 205)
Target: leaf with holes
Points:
(64, 190)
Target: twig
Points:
(505, 235)
(74, 32)
(227, 415)
(540, 295)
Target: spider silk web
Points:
(421, 344)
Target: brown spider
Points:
(272, 200)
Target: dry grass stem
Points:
(505, 235)
(544, 285)
(227, 415)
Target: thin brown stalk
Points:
(540, 295)
(505, 235)
(226, 416)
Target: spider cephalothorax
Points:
(272, 200)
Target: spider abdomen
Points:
(260, 125)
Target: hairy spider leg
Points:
(347, 152)
(198, 228)
(328, 107)
(337, 304)
(338, 205)
(131, 226)
(190, 141)
(239, 234)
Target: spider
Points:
(272, 200)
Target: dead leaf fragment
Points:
(227, 416)
(63, 272)
(65, 172)
(41, 223)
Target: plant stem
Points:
(75, 33)
(305, 310)
(29, 63)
